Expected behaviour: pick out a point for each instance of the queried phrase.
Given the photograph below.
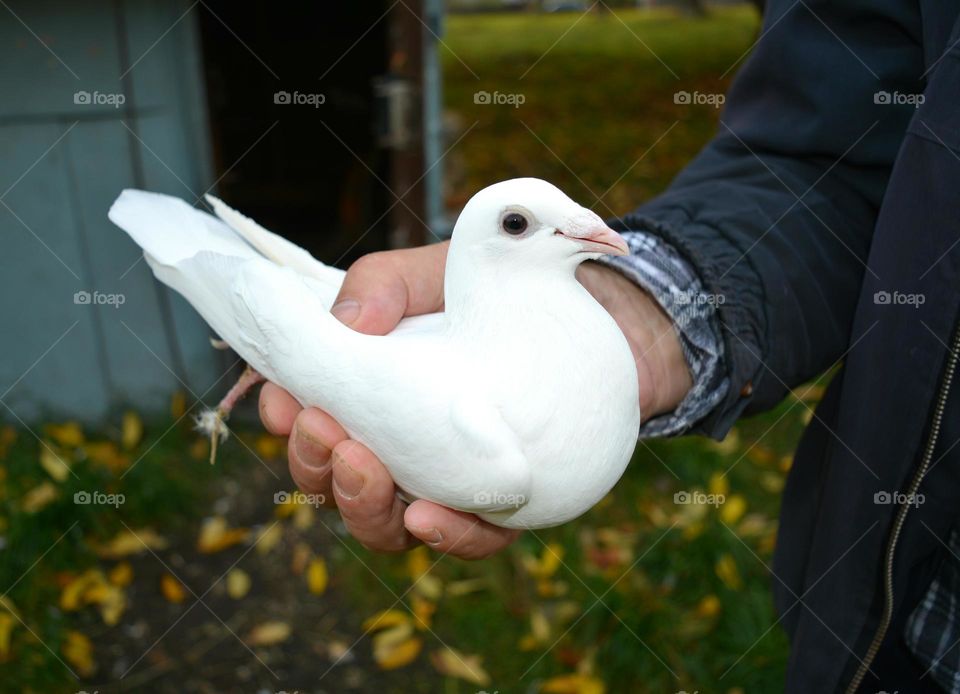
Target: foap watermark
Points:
(499, 499)
(700, 299)
(114, 99)
(83, 298)
(499, 99)
(299, 99)
(699, 99)
(698, 497)
(885, 298)
(898, 499)
(298, 497)
(884, 98)
(96, 498)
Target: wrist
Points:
(663, 374)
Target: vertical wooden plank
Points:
(407, 162)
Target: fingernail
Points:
(349, 482)
(308, 449)
(431, 536)
(346, 311)
(265, 417)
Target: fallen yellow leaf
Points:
(238, 583)
(76, 593)
(456, 589)
(39, 497)
(172, 589)
(106, 454)
(709, 606)
(7, 604)
(395, 647)
(68, 434)
(730, 443)
(121, 575)
(385, 619)
(539, 625)
(423, 611)
(269, 447)
(112, 602)
(772, 482)
(54, 463)
(727, 571)
(303, 516)
(216, 536)
(268, 538)
(301, 555)
(7, 622)
(178, 404)
(200, 449)
(317, 576)
(418, 562)
(732, 509)
(453, 663)
(573, 684)
(719, 484)
(548, 563)
(78, 650)
(131, 430)
(128, 542)
(269, 633)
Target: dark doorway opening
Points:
(313, 174)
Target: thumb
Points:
(381, 288)
(373, 297)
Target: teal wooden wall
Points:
(61, 165)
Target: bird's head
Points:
(532, 222)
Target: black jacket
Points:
(818, 196)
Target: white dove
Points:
(518, 403)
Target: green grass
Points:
(598, 103)
(598, 96)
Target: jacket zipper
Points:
(921, 472)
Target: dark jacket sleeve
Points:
(777, 212)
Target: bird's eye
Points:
(514, 223)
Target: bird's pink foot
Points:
(211, 422)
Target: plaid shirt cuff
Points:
(656, 267)
(933, 627)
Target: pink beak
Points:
(597, 238)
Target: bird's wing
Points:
(275, 247)
(283, 252)
(171, 232)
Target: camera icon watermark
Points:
(885, 298)
(297, 497)
(84, 98)
(499, 99)
(884, 98)
(299, 99)
(683, 498)
(84, 298)
(714, 99)
(97, 498)
(898, 499)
